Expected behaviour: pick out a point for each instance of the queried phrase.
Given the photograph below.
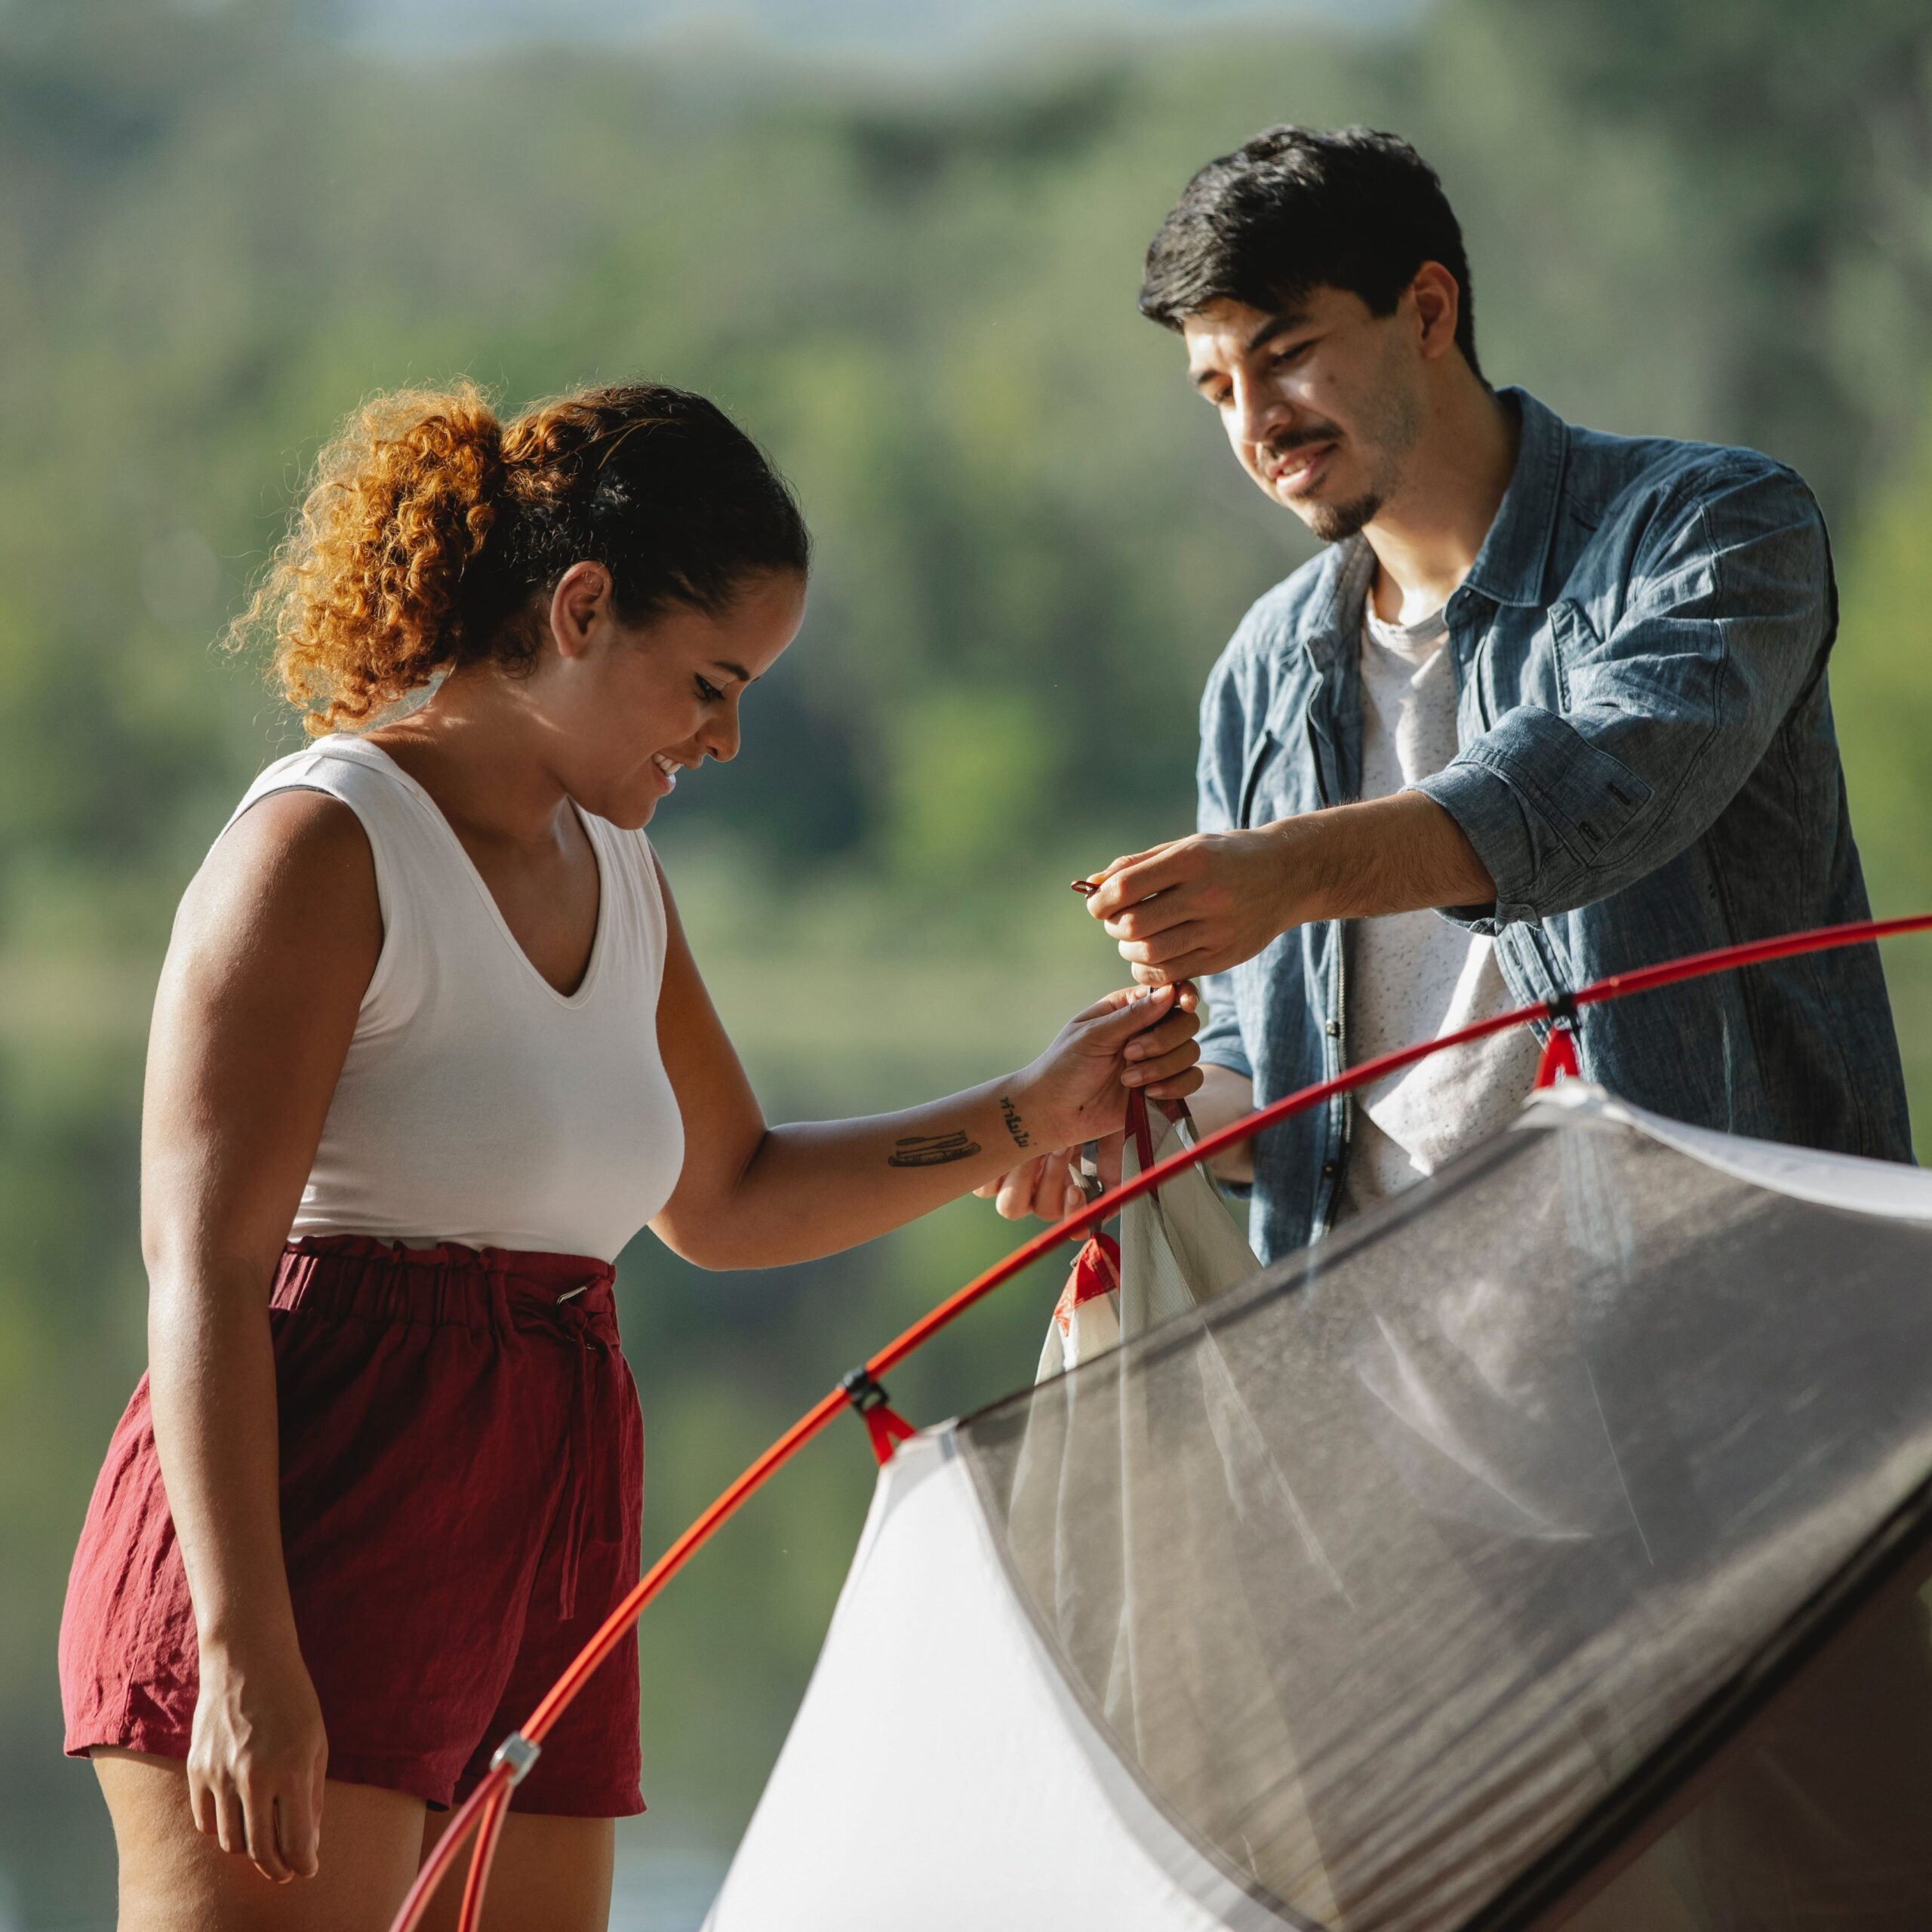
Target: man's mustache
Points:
(1281, 446)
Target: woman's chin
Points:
(628, 810)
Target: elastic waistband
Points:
(446, 1284)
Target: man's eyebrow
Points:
(1281, 325)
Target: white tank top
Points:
(477, 1104)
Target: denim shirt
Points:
(1647, 767)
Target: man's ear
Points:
(1438, 302)
(582, 595)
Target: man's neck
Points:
(1426, 537)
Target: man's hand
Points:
(1200, 905)
(1225, 1097)
(1203, 904)
(1048, 1187)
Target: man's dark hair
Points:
(1293, 211)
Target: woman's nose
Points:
(719, 738)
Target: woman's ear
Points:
(581, 600)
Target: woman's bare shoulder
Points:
(289, 887)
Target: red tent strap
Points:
(1559, 1058)
(1138, 1126)
(490, 1795)
(1559, 1061)
(888, 1429)
(886, 1426)
(1096, 1270)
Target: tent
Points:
(1542, 1548)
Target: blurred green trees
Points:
(218, 230)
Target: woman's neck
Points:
(477, 751)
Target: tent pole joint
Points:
(518, 1752)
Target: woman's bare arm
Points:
(753, 1196)
(272, 949)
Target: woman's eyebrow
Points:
(737, 670)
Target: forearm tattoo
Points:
(1015, 1125)
(931, 1150)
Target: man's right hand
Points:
(1048, 1187)
(1205, 904)
(1225, 1097)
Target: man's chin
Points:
(1331, 522)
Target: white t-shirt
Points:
(1414, 976)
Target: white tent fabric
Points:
(1454, 1545)
(1178, 1246)
(940, 1774)
(1832, 1180)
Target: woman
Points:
(428, 1006)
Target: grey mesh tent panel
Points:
(1566, 1512)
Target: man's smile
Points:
(1294, 472)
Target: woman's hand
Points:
(1139, 1037)
(1161, 1059)
(257, 1758)
(752, 1196)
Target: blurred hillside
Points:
(219, 227)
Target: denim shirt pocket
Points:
(1572, 639)
(1573, 642)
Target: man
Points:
(1551, 706)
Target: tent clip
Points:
(517, 1751)
(883, 1424)
(862, 1390)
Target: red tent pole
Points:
(493, 1793)
(487, 1832)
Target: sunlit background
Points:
(901, 242)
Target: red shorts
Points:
(462, 1496)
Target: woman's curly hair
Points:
(429, 527)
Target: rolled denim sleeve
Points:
(1217, 787)
(1729, 611)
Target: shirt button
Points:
(1333, 1029)
(1328, 1170)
